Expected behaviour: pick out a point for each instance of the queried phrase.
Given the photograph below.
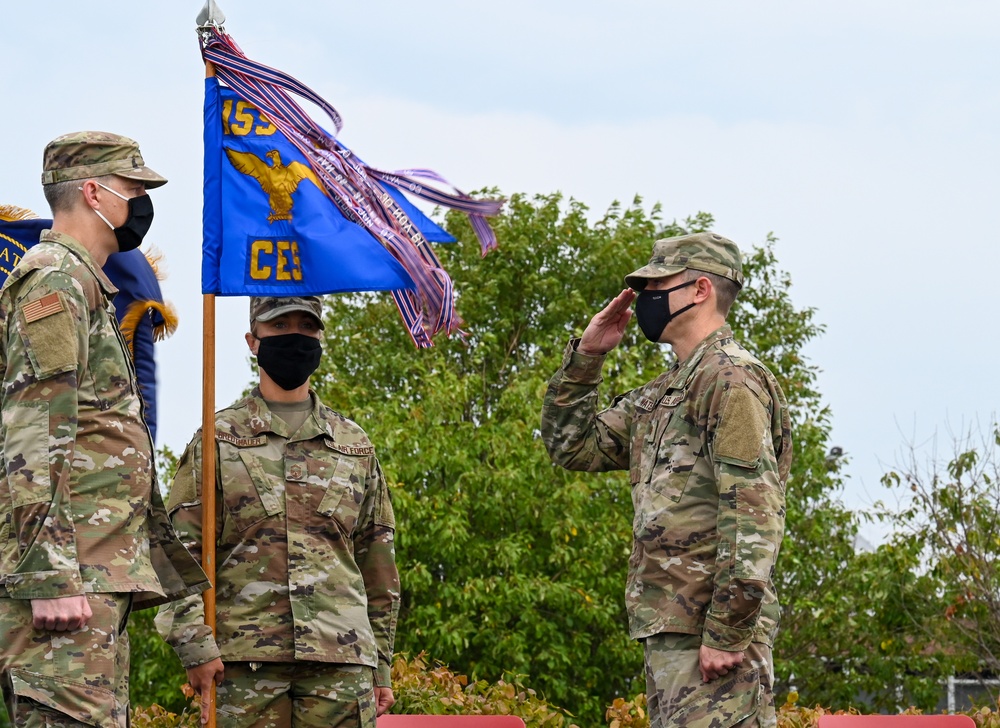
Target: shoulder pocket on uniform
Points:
(743, 424)
(342, 499)
(641, 433)
(49, 333)
(268, 498)
(384, 515)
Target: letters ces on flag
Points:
(269, 228)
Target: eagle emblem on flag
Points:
(277, 180)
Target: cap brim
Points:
(637, 279)
(282, 310)
(145, 175)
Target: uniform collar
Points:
(686, 368)
(263, 420)
(75, 247)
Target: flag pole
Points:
(208, 458)
(209, 17)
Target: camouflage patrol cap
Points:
(86, 154)
(267, 308)
(708, 252)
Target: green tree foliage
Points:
(156, 675)
(948, 525)
(425, 689)
(508, 562)
(885, 629)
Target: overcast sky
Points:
(863, 134)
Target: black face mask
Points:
(289, 359)
(140, 217)
(652, 310)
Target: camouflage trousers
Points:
(296, 695)
(676, 696)
(66, 679)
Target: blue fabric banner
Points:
(269, 228)
(16, 236)
(139, 308)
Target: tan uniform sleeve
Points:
(576, 435)
(375, 554)
(751, 509)
(46, 354)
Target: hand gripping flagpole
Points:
(209, 17)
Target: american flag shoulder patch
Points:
(42, 307)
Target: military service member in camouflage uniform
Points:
(307, 588)
(708, 449)
(85, 535)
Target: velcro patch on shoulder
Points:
(50, 336)
(349, 449)
(384, 515)
(739, 436)
(240, 441)
(41, 307)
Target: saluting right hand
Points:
(606, 330)
(201, 678)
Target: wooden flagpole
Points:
(208, 536)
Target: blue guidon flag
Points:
(289, 210)
(269, 226)
(143, 316)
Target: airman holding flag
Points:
(307, 590)
(291, 213)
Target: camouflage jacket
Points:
(708, 449)
(304, 543)
(82, 510)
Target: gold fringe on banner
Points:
(10, 213)
(155, 258)
(137, 310)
